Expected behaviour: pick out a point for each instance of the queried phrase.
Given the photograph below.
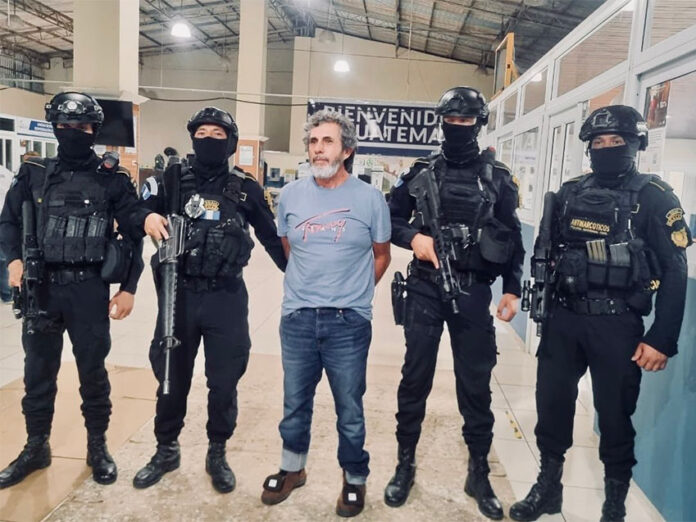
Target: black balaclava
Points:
(612, 163)
(74, 146)
(460, 145)
(211, 155)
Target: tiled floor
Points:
(512, 386)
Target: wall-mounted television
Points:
(118, 124)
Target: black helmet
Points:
(217, 117)
(74, 107)
(615, 119)
(463, 101)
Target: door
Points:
(565, 158)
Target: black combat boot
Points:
(614, 508)
(35, 455)
(396, 492)
(478, 486)
(98, 458)
(166, 459)
(545, 497)
(216, 465)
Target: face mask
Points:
(613, 161)
(210, 152)
(459, 135)
(73, 143)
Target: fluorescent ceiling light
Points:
(341, 66)
(181, 30)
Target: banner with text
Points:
(393, 130)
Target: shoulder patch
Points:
(680, 238)
(150, 188)
(674, 215)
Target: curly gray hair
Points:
(349, 137)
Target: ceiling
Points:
(463, 30)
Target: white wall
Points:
(18, 102)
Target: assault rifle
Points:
(25, 303)
(169, 251)
(542, 271)
(424, 188)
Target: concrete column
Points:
(300, 87)
(105, 58)
(105, 48)
(251, 78)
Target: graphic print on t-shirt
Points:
(312, 226)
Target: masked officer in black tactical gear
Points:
(76, 197)
(481, 234)
(617, 236)
(211, 301)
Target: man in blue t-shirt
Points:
(335, 231)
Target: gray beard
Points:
(325, 172)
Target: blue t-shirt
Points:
(331, 232)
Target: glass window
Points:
(524, 165)
(671, 116)
(505, 150)
(509, 109)
(50, 149)
(8, 154)
(670, 17)
(491, 119)
(534, 92)
(599, 52)
(36, 147)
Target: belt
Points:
(588, 306)
(464, 279)
(205, 284)
(64, 276)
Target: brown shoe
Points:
(351, 501)
(278, 487)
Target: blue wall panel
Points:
(665, 422)
(519, 323)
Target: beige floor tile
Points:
(41, 491)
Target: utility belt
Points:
(418, 269)
(592, 306)
(205, 284)
(64, 276)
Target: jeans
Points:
(336, 340)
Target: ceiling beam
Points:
(397, 25)
(33, 40)
(46, 13)
(31, 55)
(367, 20)
(430, 25)
(169, 15)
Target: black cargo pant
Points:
(81, 308)
(571, 343)
(219, 316)
(474, 351)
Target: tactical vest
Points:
(599, 248)
(74, 221)
(218, 242)
(467, 197)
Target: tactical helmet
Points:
(615, 119)
(463, 101)
(74, 107)
(219, 117)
